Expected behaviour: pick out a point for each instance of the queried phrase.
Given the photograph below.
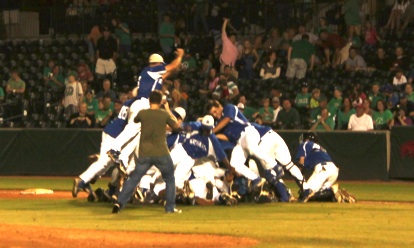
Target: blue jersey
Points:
(314, 154)
(198, 146)
(117, 125)
(174, 139)
(149, 80)
(237, 124)
(262, 130)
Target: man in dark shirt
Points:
(106, 51)
(381, 62)
(153, 150)
(336, 43)
(288, 117)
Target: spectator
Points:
(323, 25)
(248, 111)
(406, 105)
(276, 108)
(189, 63)
(210, 83)
(167, 34)
(375, 95)
(55, 79)
(394, 21)
(92, 103)
(399, 79)
(105, 111)
(358, 96)
(382, 117)
(178, 100)
(409, 92)
(123, 35)
(302, 32)
(407, 16)
(360, 121)
(84, 72)
(338, 45)
(288, 117)
(270, 69)
(380, 62)
(47, 70)
(336, 101)
(314, 101)
(301, 55)
(106, 85)
(265, 112)
(324, 122)
(400, 61)
(93, 38)
(230, 52)
(106, 53)
(285, 43)
(345, 113)
(228, 74)
(15, 85)
(355, 62)
(73, 96)
(248, 60)
(352, 37)
(316, 112)
(401, 119)
(272, 43)
(371, 35)
(81, 119)
(367, 107)
(200, 9)
(350, 10)
(302, 101)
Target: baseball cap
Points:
(240, 106)
(179, 112)
(275, 99)
(156, 58)
(207, 122)
(304, 84)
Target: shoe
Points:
(122, 168)
(102, 195)
(116, 208)
(209, 187)
(75, 187)
(292, 198)
(228, 199)
(307, 194)
(114, 155)
(138, 196)
(92, 197)
(336, 192)
(175, 211)
(257, 183)
(347, 197)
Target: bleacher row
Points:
(43, 111)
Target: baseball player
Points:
(314, 157)
(203, 144)
(98, 168)
(150, 79)
(236, 128)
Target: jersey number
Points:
(318, 147)
(123, 113)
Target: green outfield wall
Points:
(63, 152)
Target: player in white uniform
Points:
(150, 79)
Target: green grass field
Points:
(364, 224)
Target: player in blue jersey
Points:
(315, 158)
(150, 79)
(236, 128)
(98, 168)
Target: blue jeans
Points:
(165, 165)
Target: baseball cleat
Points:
(122, 168)
(228, 199)
(203, 202)
(116, 208)
(337, 193)
(209, 187)
(175, 211)
(307, 194)
(114, 155)
(92, 197)
(347, 197)
(75, 188)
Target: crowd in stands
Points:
(299, 76)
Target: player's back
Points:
(115, 127)
(149, 80)
(314, 154)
